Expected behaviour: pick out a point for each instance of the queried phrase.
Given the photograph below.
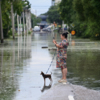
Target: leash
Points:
(53, 56)
(51, 62)
(52, 59)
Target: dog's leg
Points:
(44, 81)
(50, 80)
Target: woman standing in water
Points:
(62, 55)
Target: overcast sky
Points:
(39, 6)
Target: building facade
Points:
(43, 23)
(54, 2)
(57, 1)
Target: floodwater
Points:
(22, 60)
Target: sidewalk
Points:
(70, 92)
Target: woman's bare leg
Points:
(64, 73)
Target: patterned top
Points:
(62, 54)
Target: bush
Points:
(29, 32)
(10, 32)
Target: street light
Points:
(1, 29)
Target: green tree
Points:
(66, 11)
(84, 14)
(18, 6)
(35, 20)
(6, 8)
(91, 15)
(53, 15)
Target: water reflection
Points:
(11, 58)
(84, 68)
(1, 64)
(46, 87)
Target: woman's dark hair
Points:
(65, 34)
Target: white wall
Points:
(57, 1)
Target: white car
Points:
(36, 28)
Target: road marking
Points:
(70, 97)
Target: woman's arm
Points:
(54, 41)
(57, 45)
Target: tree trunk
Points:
(1, 28)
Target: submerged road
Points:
(22, 60)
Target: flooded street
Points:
(84, 63)
(22, 60)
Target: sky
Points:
(39, 6)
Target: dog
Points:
(46, 76)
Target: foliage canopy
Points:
(53, 15)
(84, 14)
(18, 6)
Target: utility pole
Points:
(30, 19)
(18, 24)
(63, 26)
(1, 28)
(24, 22)
(33, 23)
(12, 16)
(36, 13)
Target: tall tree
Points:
(84, 14)
(66, 11)
(6, 12)
(53, 15)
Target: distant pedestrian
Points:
(59, 28)
(62, 55)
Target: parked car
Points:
(36, 28)
(46, 29)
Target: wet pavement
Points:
(69, 91)
(22, 60)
